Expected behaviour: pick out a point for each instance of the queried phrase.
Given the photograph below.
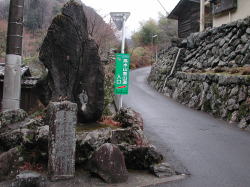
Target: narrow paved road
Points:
(215, 153)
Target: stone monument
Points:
(61, 118)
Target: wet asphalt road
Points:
(215, 153)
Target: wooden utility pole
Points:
(12, 77)
(202, 15)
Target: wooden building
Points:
(29, 100)
(187, 12)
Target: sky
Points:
(141, 10)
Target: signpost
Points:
(122, 74)
(119, 18)
(122, 60)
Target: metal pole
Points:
(12, 77)
(122, 51)
(202, 15)
(123, 36)
(156, 49)
(156, 54)
(154, 36)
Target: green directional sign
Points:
(122, 74)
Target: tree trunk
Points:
(12, 78)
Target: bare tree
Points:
(102, 32)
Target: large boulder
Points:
(89, 141)
(75, 72)
(108, 163)
(162, 170)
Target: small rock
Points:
(12, 116)
(222, 42)
(41, 139)
(108, 163)
(235, 117)
(34, 123)
(162, 170)
(140, 158)
(243, 124)
(131, 136)
(7, 160)
(232, 105)
(88, 142)
(244, 39)
(129, 118)
(248, 31)
(29, 179)
(222, 63)
(16, 137)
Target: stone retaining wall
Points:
(196, 84)
(225, 46)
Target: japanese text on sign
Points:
(122, 74)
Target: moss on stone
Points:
(197, 90)
(229, 115)
(215, 90)
(108, 88)
(244, 110)
(207, 107)
(92, 126)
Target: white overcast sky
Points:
(141, 10)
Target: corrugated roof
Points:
(27, 81)
(179, 8)
(24, 70)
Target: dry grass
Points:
(108, 120)
(230, 71)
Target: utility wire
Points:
(167, 13)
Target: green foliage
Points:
(108, 87)
(144, 36)
(229, 115)
(215, 90)
(244, 110)
(165, 29)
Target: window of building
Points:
(220, 6)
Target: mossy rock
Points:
(12, 116)
(244, 110)
(207, 107)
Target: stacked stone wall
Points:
(202, 78)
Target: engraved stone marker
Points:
(61, 118)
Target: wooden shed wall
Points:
(188, 21)
(29, 101)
